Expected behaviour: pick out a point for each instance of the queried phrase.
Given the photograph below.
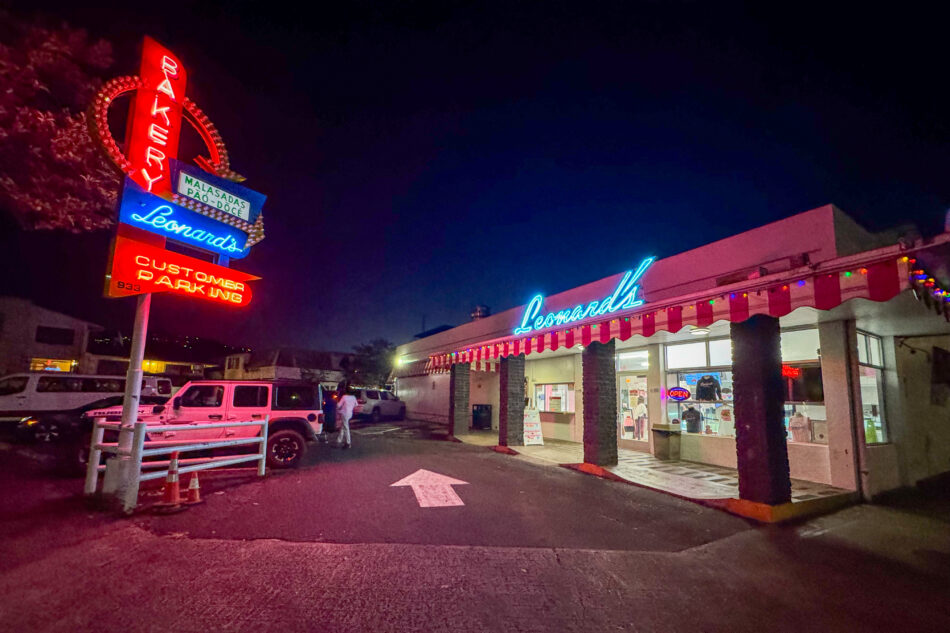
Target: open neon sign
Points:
(622, 298)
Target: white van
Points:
(42, 392)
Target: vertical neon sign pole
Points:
(152, 140)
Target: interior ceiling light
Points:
(699, 331)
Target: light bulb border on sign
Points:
(217, 163)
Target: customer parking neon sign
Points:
(623, 298)
(137, 268)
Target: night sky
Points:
(423, 158)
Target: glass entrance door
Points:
(632, 410)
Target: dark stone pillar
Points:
(460, 413)
(600, 404)
(511, 401)
(759, 397)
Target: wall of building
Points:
(560, 369)
(426, 397)
(839, 379)
(805, 461)
(776, 247)
(920, 421)
(19, 319)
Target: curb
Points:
(760, 512)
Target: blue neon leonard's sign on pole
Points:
(147, 211)
(623, 298)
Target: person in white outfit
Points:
(344, 411)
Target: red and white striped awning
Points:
(775, 295)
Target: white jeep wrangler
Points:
(294, 409)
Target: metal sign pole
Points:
(119, 476)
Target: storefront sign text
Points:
(146, 211)
(156, 117)
(678, 393)
(208, 194)
(791, 372)
(624, 297)
(138, 268)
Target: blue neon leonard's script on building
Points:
(144, 210)
(623, 298)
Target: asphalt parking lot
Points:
(334, 546)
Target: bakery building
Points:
(808, 350)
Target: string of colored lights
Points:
(919, 279)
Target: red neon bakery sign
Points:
(159, 109)
(138, 268)
(156, 117)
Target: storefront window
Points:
(153, 366)
(708, 408)
(871, 376)
(686, 355)
(632, 419)
(634, 422)
(707, 390)
(720, 353)
(555, 398)
(52, 364)
(805, 419)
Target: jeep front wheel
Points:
(285, 448)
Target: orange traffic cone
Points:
(171, 500)
(194, 490)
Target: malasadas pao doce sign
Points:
(206, 193)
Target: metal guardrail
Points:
(163, 447)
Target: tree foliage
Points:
(372, 363)
(52, 176)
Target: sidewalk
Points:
(702, 483)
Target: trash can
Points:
(666, 441)
(481, 416)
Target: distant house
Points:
(36, 339)
(33, 338)
(327, 368)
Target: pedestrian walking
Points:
(344, 411)
(329, 414)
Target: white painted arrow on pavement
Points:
(432, 490)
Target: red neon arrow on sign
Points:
(138, 268)
(155, 122)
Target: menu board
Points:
(532, 428)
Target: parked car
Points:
(27, 395)
(295, 411)
(69, 433)
(377, 404)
